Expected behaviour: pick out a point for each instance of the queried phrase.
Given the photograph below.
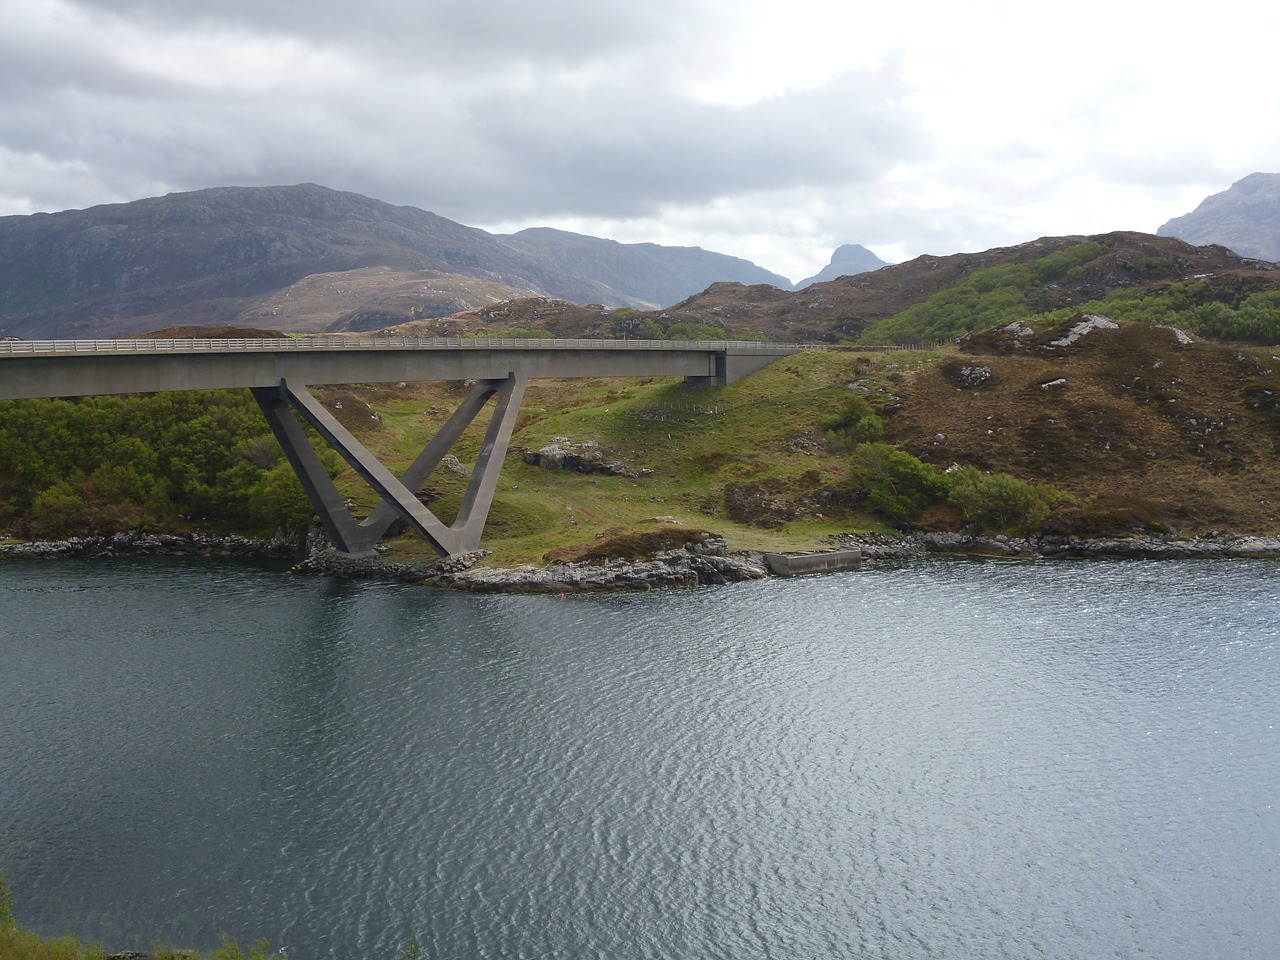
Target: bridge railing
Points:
(307, 344)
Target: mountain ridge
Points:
(210, 257)
(953, 295)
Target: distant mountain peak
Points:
(1244, 218)
(848, 260)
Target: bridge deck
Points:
(69, 368)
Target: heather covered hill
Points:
(931, 298)
(1133, 276)
(1245, 218)
(1148, 427)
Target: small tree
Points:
(854, 423)
(999, 502)
(895, 483)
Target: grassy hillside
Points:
(746, 460)
(1128, 428)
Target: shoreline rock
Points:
(137, 544)
(695, 564)
(915, 546)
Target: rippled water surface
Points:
(959, 760)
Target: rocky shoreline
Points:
(137, 544)
(914, 546)
(702, 563)
(695, 564)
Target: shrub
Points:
(854, 423)
(998, 502)
(896, 484)
(686, 330)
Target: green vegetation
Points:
(524, 333)
(166, 461)
(897, 485)
(18, 943)
(1199, 306)
(629, 325)
(999, 503)
(6, 907)
(985, 298)
(855, 423)
(901, 488)
(695, 331)
(1220, 308)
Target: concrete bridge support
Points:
(287, 406)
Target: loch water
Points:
(951, 759)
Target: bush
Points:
(896, 484)
(997, 502)
(854, 423)
(686, 330)
(102, 464)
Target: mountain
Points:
(234, 255)
(934, 298)
(1207, 290)
(1245, 218)
(847, 261)
(647, 271)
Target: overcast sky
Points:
(767, 129)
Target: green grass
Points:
(685, 444)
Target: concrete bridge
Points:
(277, 372)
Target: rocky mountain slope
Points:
(1245, 218)
(1149, 428)
(646, 271)
(233, 255)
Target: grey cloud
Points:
(563, 31)
(625, 152)
(476, 148)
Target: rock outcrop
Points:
(581, 456)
